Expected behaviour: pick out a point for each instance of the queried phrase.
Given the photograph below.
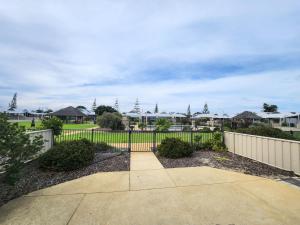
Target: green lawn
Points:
(122, 137)
(27, 125)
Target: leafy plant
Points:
(111, 120)
(53, 123)
(142, 126)
(174, 148)
(102, 147)
(104, 108)
(215, 143)
(266, 131)
(163, 124)
(206, 130)
(69, 155)
(16, 148)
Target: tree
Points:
(188, 112)
(156, 108)
(48, 111)
(111, 120)
(142, 126)
(13, 104)
(39, 111)
(81, 107)
(53, 123)
(94, 106)
(116, 106)
(136, 107)
(270, 108)
(16, 148)
(163, 124)
(205, 109)
(104, 108)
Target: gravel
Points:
(33, 178)
(228, 161)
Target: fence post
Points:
(154, 141)
(129, 140)
(222, 132)
(92, 135)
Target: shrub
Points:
(186, 128)
(163, 124)
(111, 120)
(102, 147)
(174, 148)
(266, 131)
(206, 129)
(215, 143)
(103, 108)
(53, 123)
(15, 148)
(69, 155)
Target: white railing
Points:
(47, 138)
(280, 153)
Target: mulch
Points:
(33, 178)
(226, 160)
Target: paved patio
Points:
(150, 194)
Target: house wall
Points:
(280, 153)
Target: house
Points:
(289, 119)
(210, 119)
(69, 115)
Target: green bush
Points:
(15, 148)
(267, 131)
(174, 148)
(53, 123)
(215, 143)
(102, 147)
(69, 155)
(111, 120)
(163, 124)
(206, 130)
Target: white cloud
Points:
(50, 49)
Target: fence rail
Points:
(131, 140)
(280, 153)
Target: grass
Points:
(123, 137)
(38, 123)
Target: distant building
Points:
(70, 115)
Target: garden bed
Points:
(228, 161)
(33, 178)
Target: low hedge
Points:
(174, 148)
(266, 131)
(69, 155)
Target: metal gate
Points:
(136, 141)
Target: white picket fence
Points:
(47, 138)
(280, 153)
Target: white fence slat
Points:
(280, 153)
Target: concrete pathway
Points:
(150, 194)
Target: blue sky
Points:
(234, 55)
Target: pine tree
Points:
(205, 109)
(188, 113)
(94, 106)
(13, 104)
(156, 108)
(116, 106)
(137, 106)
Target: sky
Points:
(233, 55)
